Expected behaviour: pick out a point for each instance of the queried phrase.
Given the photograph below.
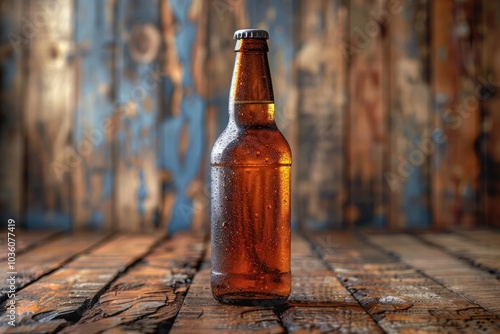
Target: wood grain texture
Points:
(182, 129)
(32, 265)
(483, 256)
(407, 174)
(319, 302)
(26, 240)
(67, 292)
(489, 81)
(397, 296)
(148, 297)
(47, 118)
(366, 52)
(474, 284)
(488, 238)
(93, 176)
(12, 53)
(321, 101)
(136, 185)
(455, 165)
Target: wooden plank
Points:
(26, 240)
(475, 285)
(483, 256)
(407, 168)
(136, 186)
(489, 238)
(455, 163)
(182, 151)
(321, 105)
(67, 292)
(201, 313)
(489, 82)
(47, 117)
(12, 51)
(319, 302)
(397, 296)
(37, 262)
(92, 137)
(366, 134)
(148, 297)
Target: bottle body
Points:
(251, 203)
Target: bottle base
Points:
(268, 289)
(251, 299)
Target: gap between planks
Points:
(458, 275)
(68, 291)
(26, 240)
(396, 294)
(43, 258)
(149, 295)
(484, 256)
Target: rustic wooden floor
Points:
(342, 282)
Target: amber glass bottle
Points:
(251, 187)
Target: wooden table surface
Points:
(342, 282)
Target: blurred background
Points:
(109, 110)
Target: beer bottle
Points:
(251, 184)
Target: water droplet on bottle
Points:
(269, 206)
(258, 153)
(256, 215)
(267, 159)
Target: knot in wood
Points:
(144, 42)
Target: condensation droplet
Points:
(269, 206)
(267, 159)
(258, 153)
(256, 215)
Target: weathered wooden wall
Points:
(109, 109)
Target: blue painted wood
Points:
(409, 118)
(136, 97)
(93, 178)
(184, 124)
(149, 109)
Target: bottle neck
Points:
(251, 98)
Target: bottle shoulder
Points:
(251, 146)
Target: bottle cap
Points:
(251, 33)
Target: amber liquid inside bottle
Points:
(251, 181)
